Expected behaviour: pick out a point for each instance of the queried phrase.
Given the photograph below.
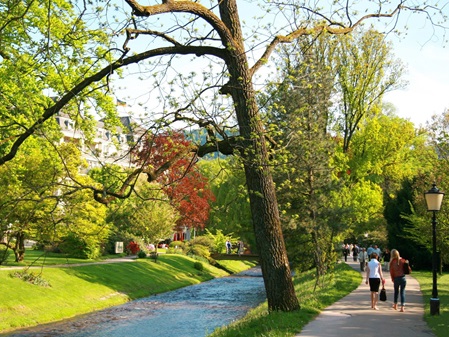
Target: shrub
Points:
(4, 254)
(176, 244)
(199, 250)
(176, 247)
(198, 266)
(30, 277)
(141, 254)
(133, 248)
(203, 240)
(75, 246)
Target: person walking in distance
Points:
(363, 257)
(373, 277)
(398, 278)
(228, 247)
(241, 248)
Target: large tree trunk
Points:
(264, 207)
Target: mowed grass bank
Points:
(82, 289)
(257, 323)
(440, 323)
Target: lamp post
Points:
(434, 198)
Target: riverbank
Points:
(75, 290)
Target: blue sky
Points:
(427, 58)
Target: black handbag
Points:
(407, 269)
(383, 294)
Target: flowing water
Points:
(193, 311)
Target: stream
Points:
(192, 311)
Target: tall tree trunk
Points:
(19, 248)
(264, 207)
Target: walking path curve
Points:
(352, 315)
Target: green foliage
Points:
(199, 250)
(297, 106)
(204, 240)
(231, 211)
(61, 51)
(177, 244)
(146, 214)
(199, 246)
(366, 70)
(198, 266)
(141, 254)
(116, 236)
(4, 254)
(75, 246)
(218, 240)
(386, 149)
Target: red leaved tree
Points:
(170, 155)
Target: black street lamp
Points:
(434, 198)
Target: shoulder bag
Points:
(407, 270)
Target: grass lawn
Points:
(77, 290)
(439, 324)
(41, 258)
(280, 324)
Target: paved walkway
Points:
(352, 316)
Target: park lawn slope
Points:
(82, 289)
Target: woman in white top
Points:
(374, 276)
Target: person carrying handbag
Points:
(398, 278)
(374, 276)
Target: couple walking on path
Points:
(353, 316)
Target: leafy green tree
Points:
(30, 184)
(47, 48)
(41, 204)
(230, 212)
(366, 70)
(147, 214)
(386, 152)
(299, 105)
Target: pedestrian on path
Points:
(228, 247)
(363, 257)
(398, 278)
(374, 276)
